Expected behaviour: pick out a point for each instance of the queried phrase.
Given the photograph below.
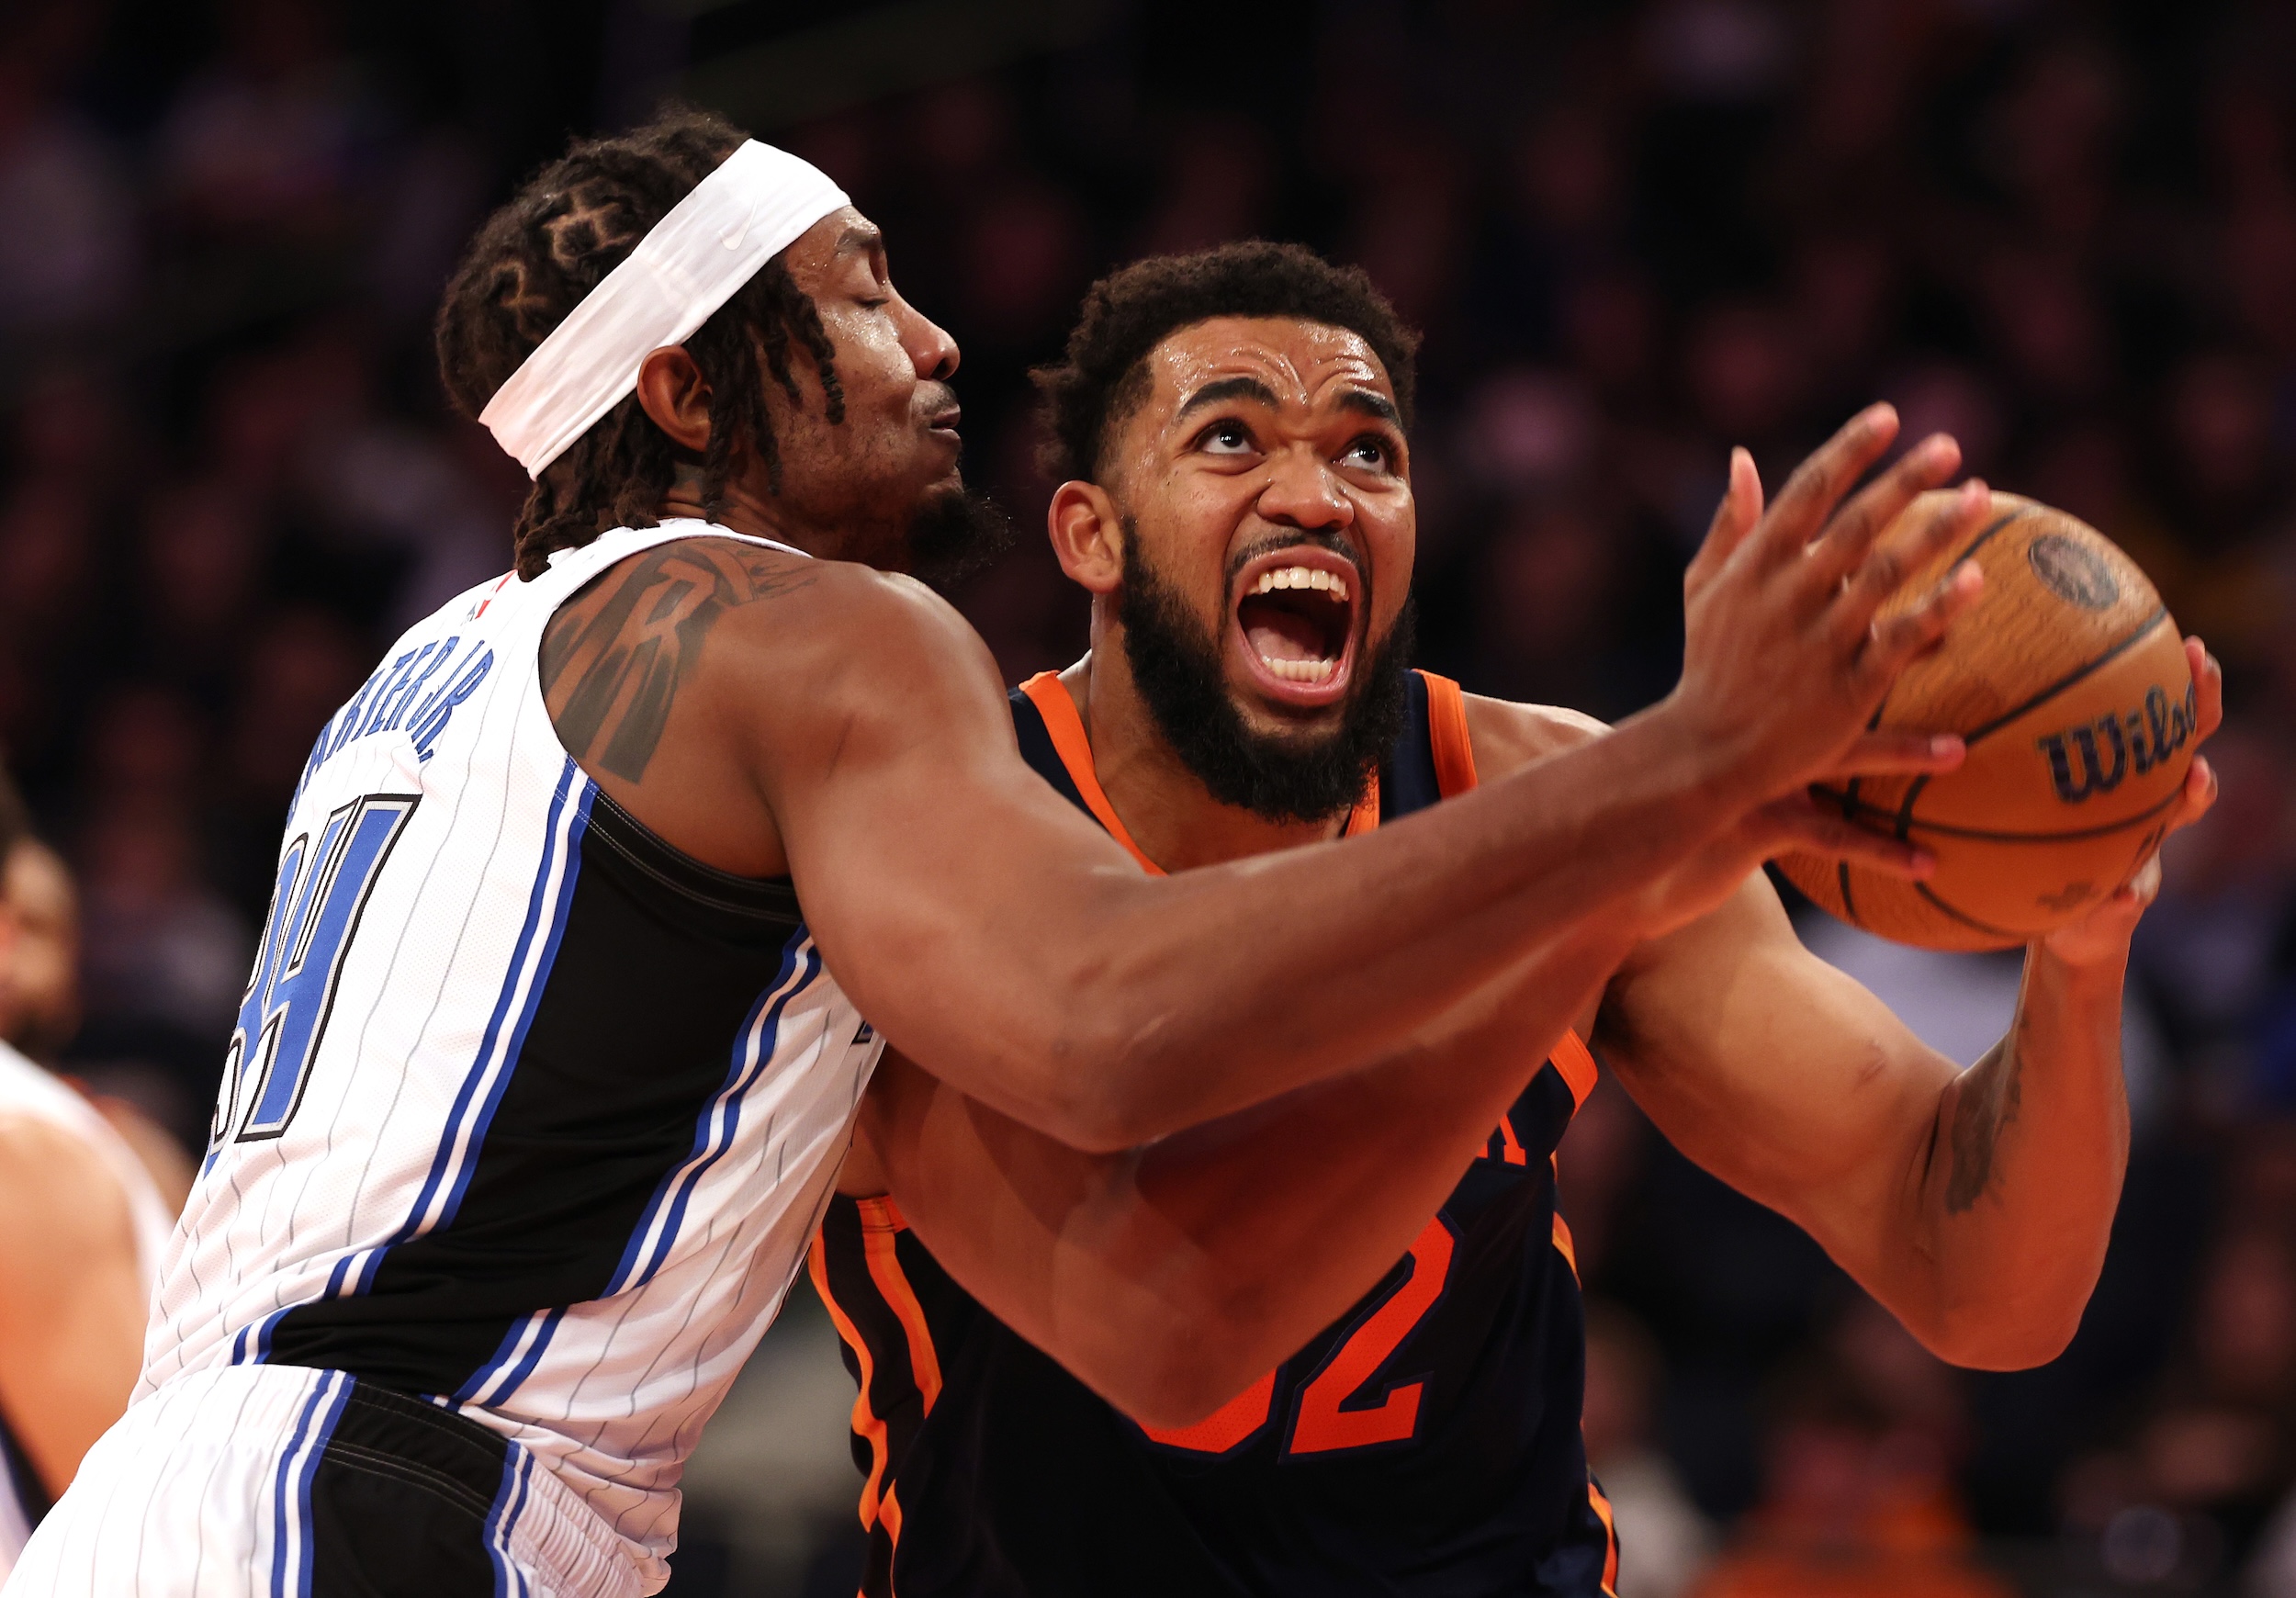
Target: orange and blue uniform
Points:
(1425, 1443)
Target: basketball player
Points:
(543, 1075)
(40, 996)
(82, 1228)
(1239, 508)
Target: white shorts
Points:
(274, 1482)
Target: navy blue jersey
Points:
(1425, 1443)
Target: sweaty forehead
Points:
(1303, 363)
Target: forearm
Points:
(1372, 940)
(2015, 1196)
(1172, 1277)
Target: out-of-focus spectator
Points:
(1664, 1541)
(166, 956)
(69, 248)
(1858, 1497)
(270, 141)
(2213, 1453)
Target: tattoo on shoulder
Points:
(1988, 1102)
(613, 659)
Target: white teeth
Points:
(1300, 670)
(1301, 576)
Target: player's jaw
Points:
(1296, 617)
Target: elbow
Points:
(1192, 1379)
(1186, 1353)
(2022, 1339)
(1108, 1078)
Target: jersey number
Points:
(1321, 1425)
(314, 909)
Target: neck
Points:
(747, 510)
(1163, 804)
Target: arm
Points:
(1169, 1276)
(848, 726)
(72, 1301)
(1975, 1205)
(996, 934)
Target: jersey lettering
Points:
(314, 910)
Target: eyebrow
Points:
(1370, 403)
(1365, 402)
(1224, 389)
(860, 236)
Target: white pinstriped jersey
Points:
(527, 1112)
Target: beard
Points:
(955, 536)
(1280, 778)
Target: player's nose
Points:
(931, 348)
(1304, 491)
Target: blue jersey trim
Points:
(720, 1119)
(291, 1497)
(546, 907)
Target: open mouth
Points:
(1295, 614)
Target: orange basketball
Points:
(2068, 679)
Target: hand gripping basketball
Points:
(1785, 655)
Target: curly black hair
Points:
(576, 221)
(1104, 372)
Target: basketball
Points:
(2068, 681)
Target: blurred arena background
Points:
(1634, 233)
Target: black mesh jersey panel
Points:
(1426, 1442)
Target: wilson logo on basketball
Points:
(2094, 757)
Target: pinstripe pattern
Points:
(291, 1501)
(286, 1249)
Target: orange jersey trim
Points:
(1051, 697)
(1610, 1535)
(1575, 1061)
(881, 1230)
(1564, 1246)
(1447, 738)
(866, 1423)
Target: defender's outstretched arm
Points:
(996, 936)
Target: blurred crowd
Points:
(1633, 234)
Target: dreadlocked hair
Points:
(532, 264)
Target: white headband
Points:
(689, 263)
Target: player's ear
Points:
(1087, 535)
(676, 397)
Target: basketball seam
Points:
(1982, 835)
(1976, 543)
(2144, 630)
(1967, 919)
(2136, 636)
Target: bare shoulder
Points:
(1507, 735)
(672, 624)
(59, 1201)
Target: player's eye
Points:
(1225, 438)
(1370, 451)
